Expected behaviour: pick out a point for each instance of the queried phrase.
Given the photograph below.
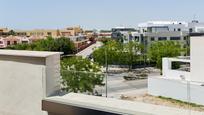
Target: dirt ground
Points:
(163, 101)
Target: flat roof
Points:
(26, 53)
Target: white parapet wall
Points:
(26, 78)
(176, 89)
(171, 85)
(168, 72)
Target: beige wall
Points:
(25, 81)
(53, 33)
(21, 88)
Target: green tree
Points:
(19, 47)
(50, 44)
(80, 75)
(118, 53)
(12, 32)
(131, 52)
(161, 49)
(111, 49)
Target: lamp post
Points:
(106, 75)
(188, 92)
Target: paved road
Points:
(117, 85)
(89, 50)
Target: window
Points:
(191, 30)
(8, 43)
(180, 66)
(152, 39)
(175, 38)
(15, 42)
(179, 29)
(162, 38)
(24, 42)
(49, 33)
(1, 42)
(137, 38)
(185, 38)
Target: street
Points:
(118, 86)
(116, 83)
(89, 50)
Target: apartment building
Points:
(89, 32)
(105, 34)
(151, 31)
(2, 43)
(4, 31)
(13, 40)
(43, 32)
(71, 31)
(10, 40)
(163, 30)
(162, 26)
(196, 27)
(122, 34)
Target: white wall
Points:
(172, 74)
(197, 57)
(175, 89)
(21, 88)
(52, 73)
(25, 81)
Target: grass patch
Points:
(180, 102)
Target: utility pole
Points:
(189, 96)
(106, 74)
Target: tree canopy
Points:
(161, 49)
(80, 74)
(12, 32)
(50, 44)
(118, 53)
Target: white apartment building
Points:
(162, 26)
(166, 30)
(196, 27)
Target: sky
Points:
(95, 14)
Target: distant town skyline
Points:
(95, 14)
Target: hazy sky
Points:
(98, 14)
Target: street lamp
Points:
(106, 64)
